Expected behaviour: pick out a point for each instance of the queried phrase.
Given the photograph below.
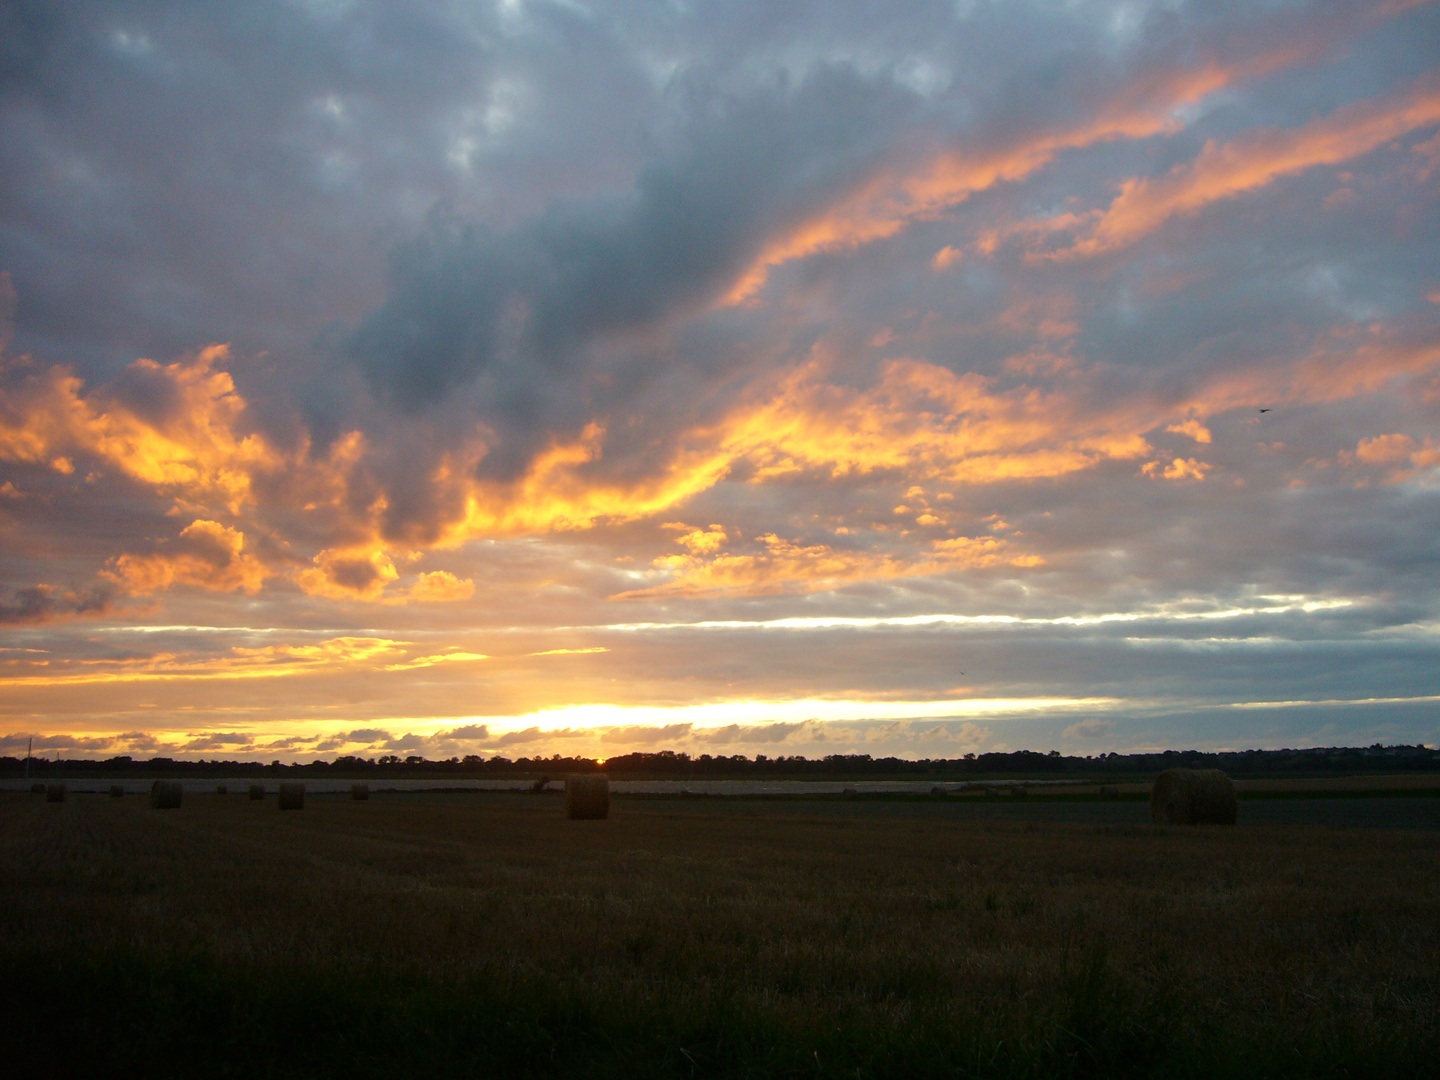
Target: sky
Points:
(534, 378)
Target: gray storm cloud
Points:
(517, 312)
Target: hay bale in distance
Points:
(165, 794)
(1193, 797)
(117, 791)
(37, 789)
(849, 793)
(292, 796)
(221, 789)
(587, 796)
(1109, 792)
(257, 792)
(1018, 791)
(360, 792)
(938, 792)
(55, 793)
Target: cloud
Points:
(1399, 457)
(644, 734)
(536, 734)
(784, 566)
(176, 427)
(1194, 429)
(367, 735)
(406, 742)
(240, 662)
(436, 658)
(1089, 729)
(440, 587)
(517, 306)
(947, 257)
(1177, 469)
(926, 422)
(1227, 170)
(1151, 103)
(218, 740)
(44, 603)
(733, 323)
(751, 734)
(348, 574)
(206, 554)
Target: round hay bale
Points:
(221, 789)
(292, 796)
(849, 793)
(938, 792)
(587, 796)
(257, 792)
(37, 789)
(117, 791)
(1018, 791)
(55, 793)
(165, 794)
(1109, 792)
(360, 792)
(1193, 797)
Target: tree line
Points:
(669, 764)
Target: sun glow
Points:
(748, 713)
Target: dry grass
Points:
(1251, 936)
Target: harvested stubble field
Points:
(489, 936)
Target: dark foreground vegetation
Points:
(667, 764)
(491, 937)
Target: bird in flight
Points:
(1264, 410)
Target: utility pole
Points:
(28, 751)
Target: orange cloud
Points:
(886, 203)
(783, 566)
(206, 554)
(560, 493)
(1193, 428)
(436, 658)
(193, 449)
(924, 422)
(1385, 449)
(348, 574)
(273, 661)
(946, 257)
(1224, 171)
(1402, 454)
(1347, 362)
(918, 425)
(1178, 469)
(699, 541)
(441, 586)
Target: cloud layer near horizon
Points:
(416, 372)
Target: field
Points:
(487, 936)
